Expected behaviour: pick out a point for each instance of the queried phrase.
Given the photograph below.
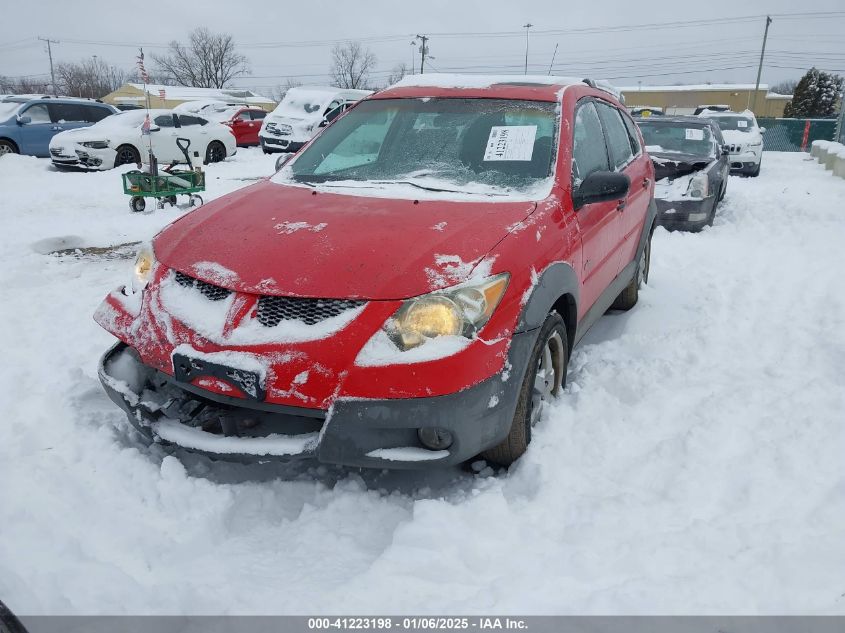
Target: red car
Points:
(405, 292)
(245, 123)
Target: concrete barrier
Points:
(818, 147)
(829, 156)
(839, 163)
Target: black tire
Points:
(628, 298)
(215, 152)
(195, 200)
(550, 353)
(127, 155)
(7, 147)
(137, 204)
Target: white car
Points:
(118, 140)
(743, 138)
(302, 113)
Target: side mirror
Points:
(323, 123)
(762, 130)
(281, 160)
(23, 120)
(601, 186)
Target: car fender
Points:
(556, 280)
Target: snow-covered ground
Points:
(696, 463)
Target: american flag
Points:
(145, 126)
(144, 76)
(161, 93)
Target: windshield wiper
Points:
(437, 189)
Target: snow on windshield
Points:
(130, 118)
(739, 123)
(496, 147)
(678, 137)
(8, 109)
(301, 104)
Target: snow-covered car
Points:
(119, 140)
(743, 139)
(404, 293)
(690, 168)
(302, 113)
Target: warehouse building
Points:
(170, 96)
(684, 99)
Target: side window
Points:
(258, 115)
(632, 134)
(618, 140)
(589, 152)
(186, 120)
(331, 115)
(164, 120)
(244, 116)
(38, 113)
(334, 104)
(70, 112)
(96, 113)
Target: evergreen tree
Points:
(816, 95)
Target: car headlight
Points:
(458, 311)
(756, 143)
(96, 144)
(142, 272)
(698, 186)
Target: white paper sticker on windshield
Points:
(510, 142)
(742, 123)
(694, 134)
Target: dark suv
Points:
(28, 122)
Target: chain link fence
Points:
(795, 135)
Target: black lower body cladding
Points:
(365, 433)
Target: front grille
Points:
(274, 310)
(280, 129)
(209, 291)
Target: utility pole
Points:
(50, 53)
(527, 27)
(760, 67)
(423, 52)
(413, 57)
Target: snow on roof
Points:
(695, 87)
(185, 93)
(446, 80)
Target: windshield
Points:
(8, 109)
(304, 103)
(676, 137)
(492, 146)
(741, 123)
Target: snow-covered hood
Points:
(737, 137)
(289, 240)
(79, 135)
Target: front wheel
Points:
(215, 152)
(545, 376)
(7, 147)
(127, 155)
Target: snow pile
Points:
(694, 464)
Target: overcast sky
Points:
(294, 39)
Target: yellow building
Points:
(171, 96)
(684, 99)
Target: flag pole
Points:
(146, 127)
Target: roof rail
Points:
(605, 86)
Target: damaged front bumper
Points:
(353, 432)
(685, 215)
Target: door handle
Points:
(646, 183)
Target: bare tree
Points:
(351, 65)
(208, 60)
(396, 75)
(278, 93)
(92, 78)
(24, 85)
(785, 87)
